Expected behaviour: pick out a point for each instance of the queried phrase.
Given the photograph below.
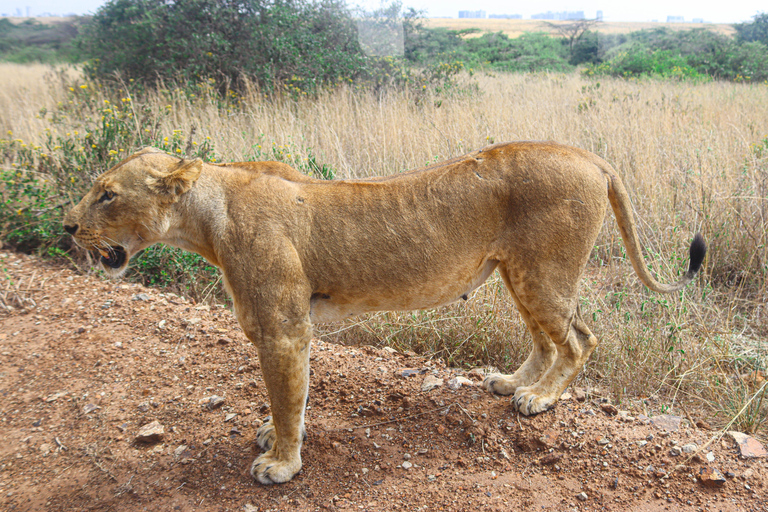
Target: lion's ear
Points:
(178, 180)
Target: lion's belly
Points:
(420, 295)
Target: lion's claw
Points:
(268, 469)
(528, 402)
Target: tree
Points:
(756, 30)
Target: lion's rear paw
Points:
(500, 384)
(529, 402)
(269, 469)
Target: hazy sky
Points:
(613, 10)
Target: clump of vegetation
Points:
(32, 41)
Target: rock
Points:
(431, 382)
(389, 350)
(409, 372)
(579, 394)
(624, 416)
(212, 402)
(689, 448)
(45, 449)
(550, 458)
(89, 408)
(749, 447)
(582, 496)
(224, 341)
(609, 409)
(407, 465)
(151, 433)
(55, 396)
(666, 422)
(161, 324)
(407, 456)
(711, 477)
(675, 451)
(456, 382)
(250, 508)
(603, 441)
(548, 438)
(710, 457)
(141, 296)
(230, 416)
(566, 396)
(476, 374)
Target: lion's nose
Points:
(70, 229)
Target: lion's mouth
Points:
(112, 257)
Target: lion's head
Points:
(128, 207)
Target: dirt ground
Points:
(85, 363)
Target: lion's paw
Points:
(500, 384)
(529, 402)
(269, 469)
(265, 435)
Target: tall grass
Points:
(694, 157)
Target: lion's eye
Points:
(107, 196)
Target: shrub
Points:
(303, 44)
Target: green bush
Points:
(299, 44)
(32, 41)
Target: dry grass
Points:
(687, 153)
(516, 28)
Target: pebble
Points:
(141, 296)
(456, 382)
(609, 409)
(749, 447)
(689, 448)
(666, 422)
(89, 408)
(431, 382)
(711, 477)
(582, 496)
(151, 432)
(675, 451)
(407, 465)
(579, 394)
(230, 416)
(212, 402)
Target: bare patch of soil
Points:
(85, 363)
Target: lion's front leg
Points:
(285, 365)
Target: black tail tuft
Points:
(697, 252)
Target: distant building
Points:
(697, 20)
(675, 19)
(506, 16)
(599, 16)
(563, 15)
(471, 14)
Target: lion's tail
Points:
(622, 209)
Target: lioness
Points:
(295, 250)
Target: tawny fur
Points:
(295, 251)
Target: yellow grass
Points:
(687, 153)
(515, 28)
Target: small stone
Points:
(141, 296)
(118, 344)
(624, 416)
(550, 458)
(407, 456)
(689, 448)
(566, 396)
(609, 409)
(666, 422)
(212, 402)
(582, 496)
(161, 324)
(579, 394)
(642, 443)
(224, 341)
(548, 438)
(45, 449)
(55, 396)
(458, 381)
(711, 477)
(151, 433)
(408, 372)
(389, 350)
(89, 408)
(476, 374)
(749, 447)
(440, 429)
(431, 478)
(603, 441)
(230, 416)
(431, 382)
(250, 508)
(675, 451)
(407, 465)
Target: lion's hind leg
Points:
(540, 359)
(574, 342)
